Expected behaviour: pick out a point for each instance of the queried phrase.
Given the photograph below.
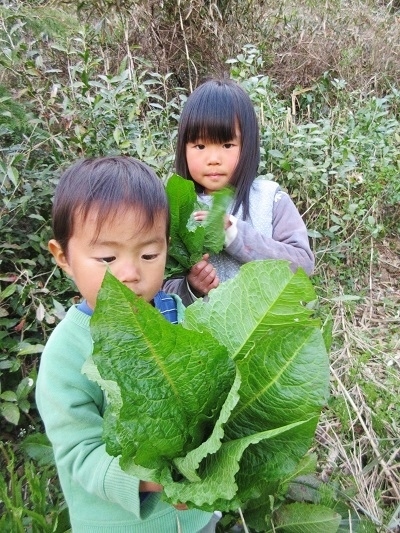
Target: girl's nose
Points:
(214, 156)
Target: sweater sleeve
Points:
(289, 238)
(180, 286)
(71, 408)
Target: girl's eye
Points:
(149, 257)
(228, 145)
(107, 260)
(200, 146)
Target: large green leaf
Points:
(171, 383)
(182, 199)
(288, 372)
(217, 487)
(214, 224)
(178, 415)
(267, 294)
(306, 518)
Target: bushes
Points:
(339, 162)
(67, 92)
(30, 502)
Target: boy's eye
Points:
(149, 257)
(107, 260)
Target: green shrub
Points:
(346, 159)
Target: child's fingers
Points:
(203, 277)
(208, 278)
(214, 284)
(181, 506)
(150, 486)
(200, 266)
(200, 215)
(202, 269)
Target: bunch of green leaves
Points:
(189, 239)
(223, 407)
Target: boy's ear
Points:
(59, 255)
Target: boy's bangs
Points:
(146, 217)
(114, 197)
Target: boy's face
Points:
(135, 253)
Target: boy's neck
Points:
(84, 308)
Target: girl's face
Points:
(211, 164)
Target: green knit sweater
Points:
(101, 497)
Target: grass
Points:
(359, 432)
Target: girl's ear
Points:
(59, 255)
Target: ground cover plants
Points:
(67, 90)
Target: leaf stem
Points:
(243, 520)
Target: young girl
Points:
(218, 145)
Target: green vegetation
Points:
(189, 240)
(236, 423)
(324, 78)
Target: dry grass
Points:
(360, 433)
(357, 41)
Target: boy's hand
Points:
(181, 507)
(203, 277)
(150, 486)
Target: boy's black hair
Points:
(211, 113)
(107, 184)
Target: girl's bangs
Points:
(212, 125)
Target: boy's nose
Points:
(129, 273)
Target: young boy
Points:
(109, 212)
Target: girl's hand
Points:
(203, 277)
(227, 222)
(199, 216)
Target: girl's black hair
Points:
(211, 113)
(107, 184)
